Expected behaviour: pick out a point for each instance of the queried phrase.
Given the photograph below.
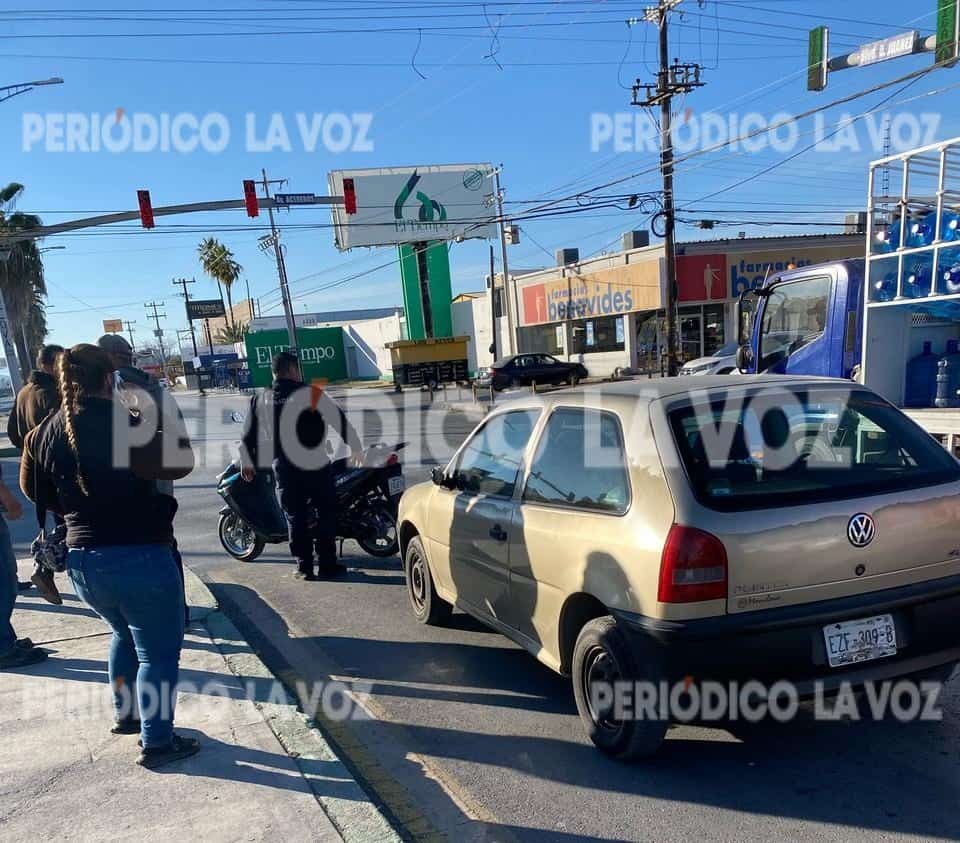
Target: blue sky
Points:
(560, 63)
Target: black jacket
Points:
(124, 505)
(273, 410)
(35, 401)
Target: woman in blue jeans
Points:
(97, 465)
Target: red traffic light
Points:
(349, 196)
(250, 197)
(146, 209)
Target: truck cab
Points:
(806, 321)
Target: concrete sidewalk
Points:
(263, 772)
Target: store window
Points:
(605, 333)
(714, 329)
(542, 339)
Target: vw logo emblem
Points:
(861, 530)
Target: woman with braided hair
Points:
(98, 466)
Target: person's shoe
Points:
(22, 658)
(178, 749)
(126, 726)
(43, 580)
(25, 643)
(331, 572)
(24, 586)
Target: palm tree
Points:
(21, 279)
(219, 263)
(231, 334)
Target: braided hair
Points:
(81, 372)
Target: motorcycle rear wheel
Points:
(238, 538)
(383, 540)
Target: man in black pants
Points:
(288, 426)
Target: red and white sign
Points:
(702, 278)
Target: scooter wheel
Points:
(238, 538)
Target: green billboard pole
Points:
(427, 290)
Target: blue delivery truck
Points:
(890, 320)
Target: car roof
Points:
(630, 392)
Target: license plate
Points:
(862, 640)
(396, 485)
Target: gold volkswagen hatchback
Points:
(767, 529)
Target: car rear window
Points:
(782, 448)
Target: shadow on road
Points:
(887, 777)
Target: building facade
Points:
(608, 312)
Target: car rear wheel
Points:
(574, 379)
(428, 607)
(603, 659)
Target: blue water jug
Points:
(948, 377)
(922, 380)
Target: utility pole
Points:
(249, 300)
(281, 266)
(513, 313)
(129, 326)
(493, 307)
(182, 282)
(156, 317)
(671, 80)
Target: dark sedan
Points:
(526, 369)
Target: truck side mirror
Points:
(744, 359)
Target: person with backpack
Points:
(98, 465)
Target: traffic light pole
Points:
(281, 265)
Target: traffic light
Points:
(146, 209)
(349, 196)
(250, 197)
(948, 32)
(818, 56)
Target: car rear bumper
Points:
(788, 643)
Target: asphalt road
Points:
(465, 734)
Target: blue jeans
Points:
(137, 590)
(8, 589)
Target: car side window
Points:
(581, 463)
(490, 462)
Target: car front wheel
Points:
(428, 607)
(606, 673)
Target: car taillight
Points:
(693, 567)
(393, 459)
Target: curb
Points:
(353, 814)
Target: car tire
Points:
(573, 380)
(429, 608)
(515, 383)
(603, 654)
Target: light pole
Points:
(10, 91)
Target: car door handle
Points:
(497, 533)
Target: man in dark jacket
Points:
(288, 427)
(37, 398)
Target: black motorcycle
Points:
(368, 496)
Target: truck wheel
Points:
(428, 607)
(602, 658)
(238, 538)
